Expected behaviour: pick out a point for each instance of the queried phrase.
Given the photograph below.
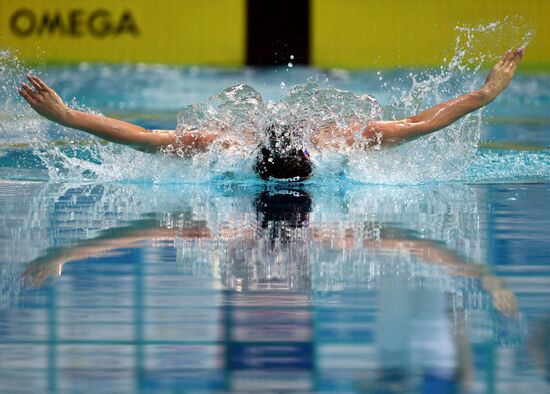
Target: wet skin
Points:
(45, 101)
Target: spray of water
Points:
(446, 154)
(241, 116)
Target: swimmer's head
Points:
(279, 159)
(283, 208)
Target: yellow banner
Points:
(390, 33)
(210, 32)
(344, 33)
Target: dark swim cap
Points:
(285, 207)
(280, 160)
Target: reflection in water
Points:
(239, 289)
(539, 346)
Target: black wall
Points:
(277, 29)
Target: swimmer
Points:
(275, 160)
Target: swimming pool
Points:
(418, 280)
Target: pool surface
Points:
(126, 272)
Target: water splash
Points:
(241, 115)
(68, 154)
(446, 154)
(316, 105)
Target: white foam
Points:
(240, 114)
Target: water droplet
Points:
(290, 65)
(291, 57)
(283, 85)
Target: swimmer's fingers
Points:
(512, 56)
(43, 84)
(32, 102)
(512, 67)
(29, 90)
(28, 94)
(521, 51)
(518, 53)
(508, 58)
(23, 94)
(37, 83)
(505, 57)
(505, 302)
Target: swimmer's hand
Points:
(44, 100)
(504, 300)
(40, 270)
(502, 73)
(47, 103)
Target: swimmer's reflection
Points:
(277, 256)
(421, 339)
(110, 243)
(273, 248)
(268, 318)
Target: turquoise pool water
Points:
(125, 272)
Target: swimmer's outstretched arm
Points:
(47, 103)
(111, 242)
(504, 300)
(395, 132)
(431, 252)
